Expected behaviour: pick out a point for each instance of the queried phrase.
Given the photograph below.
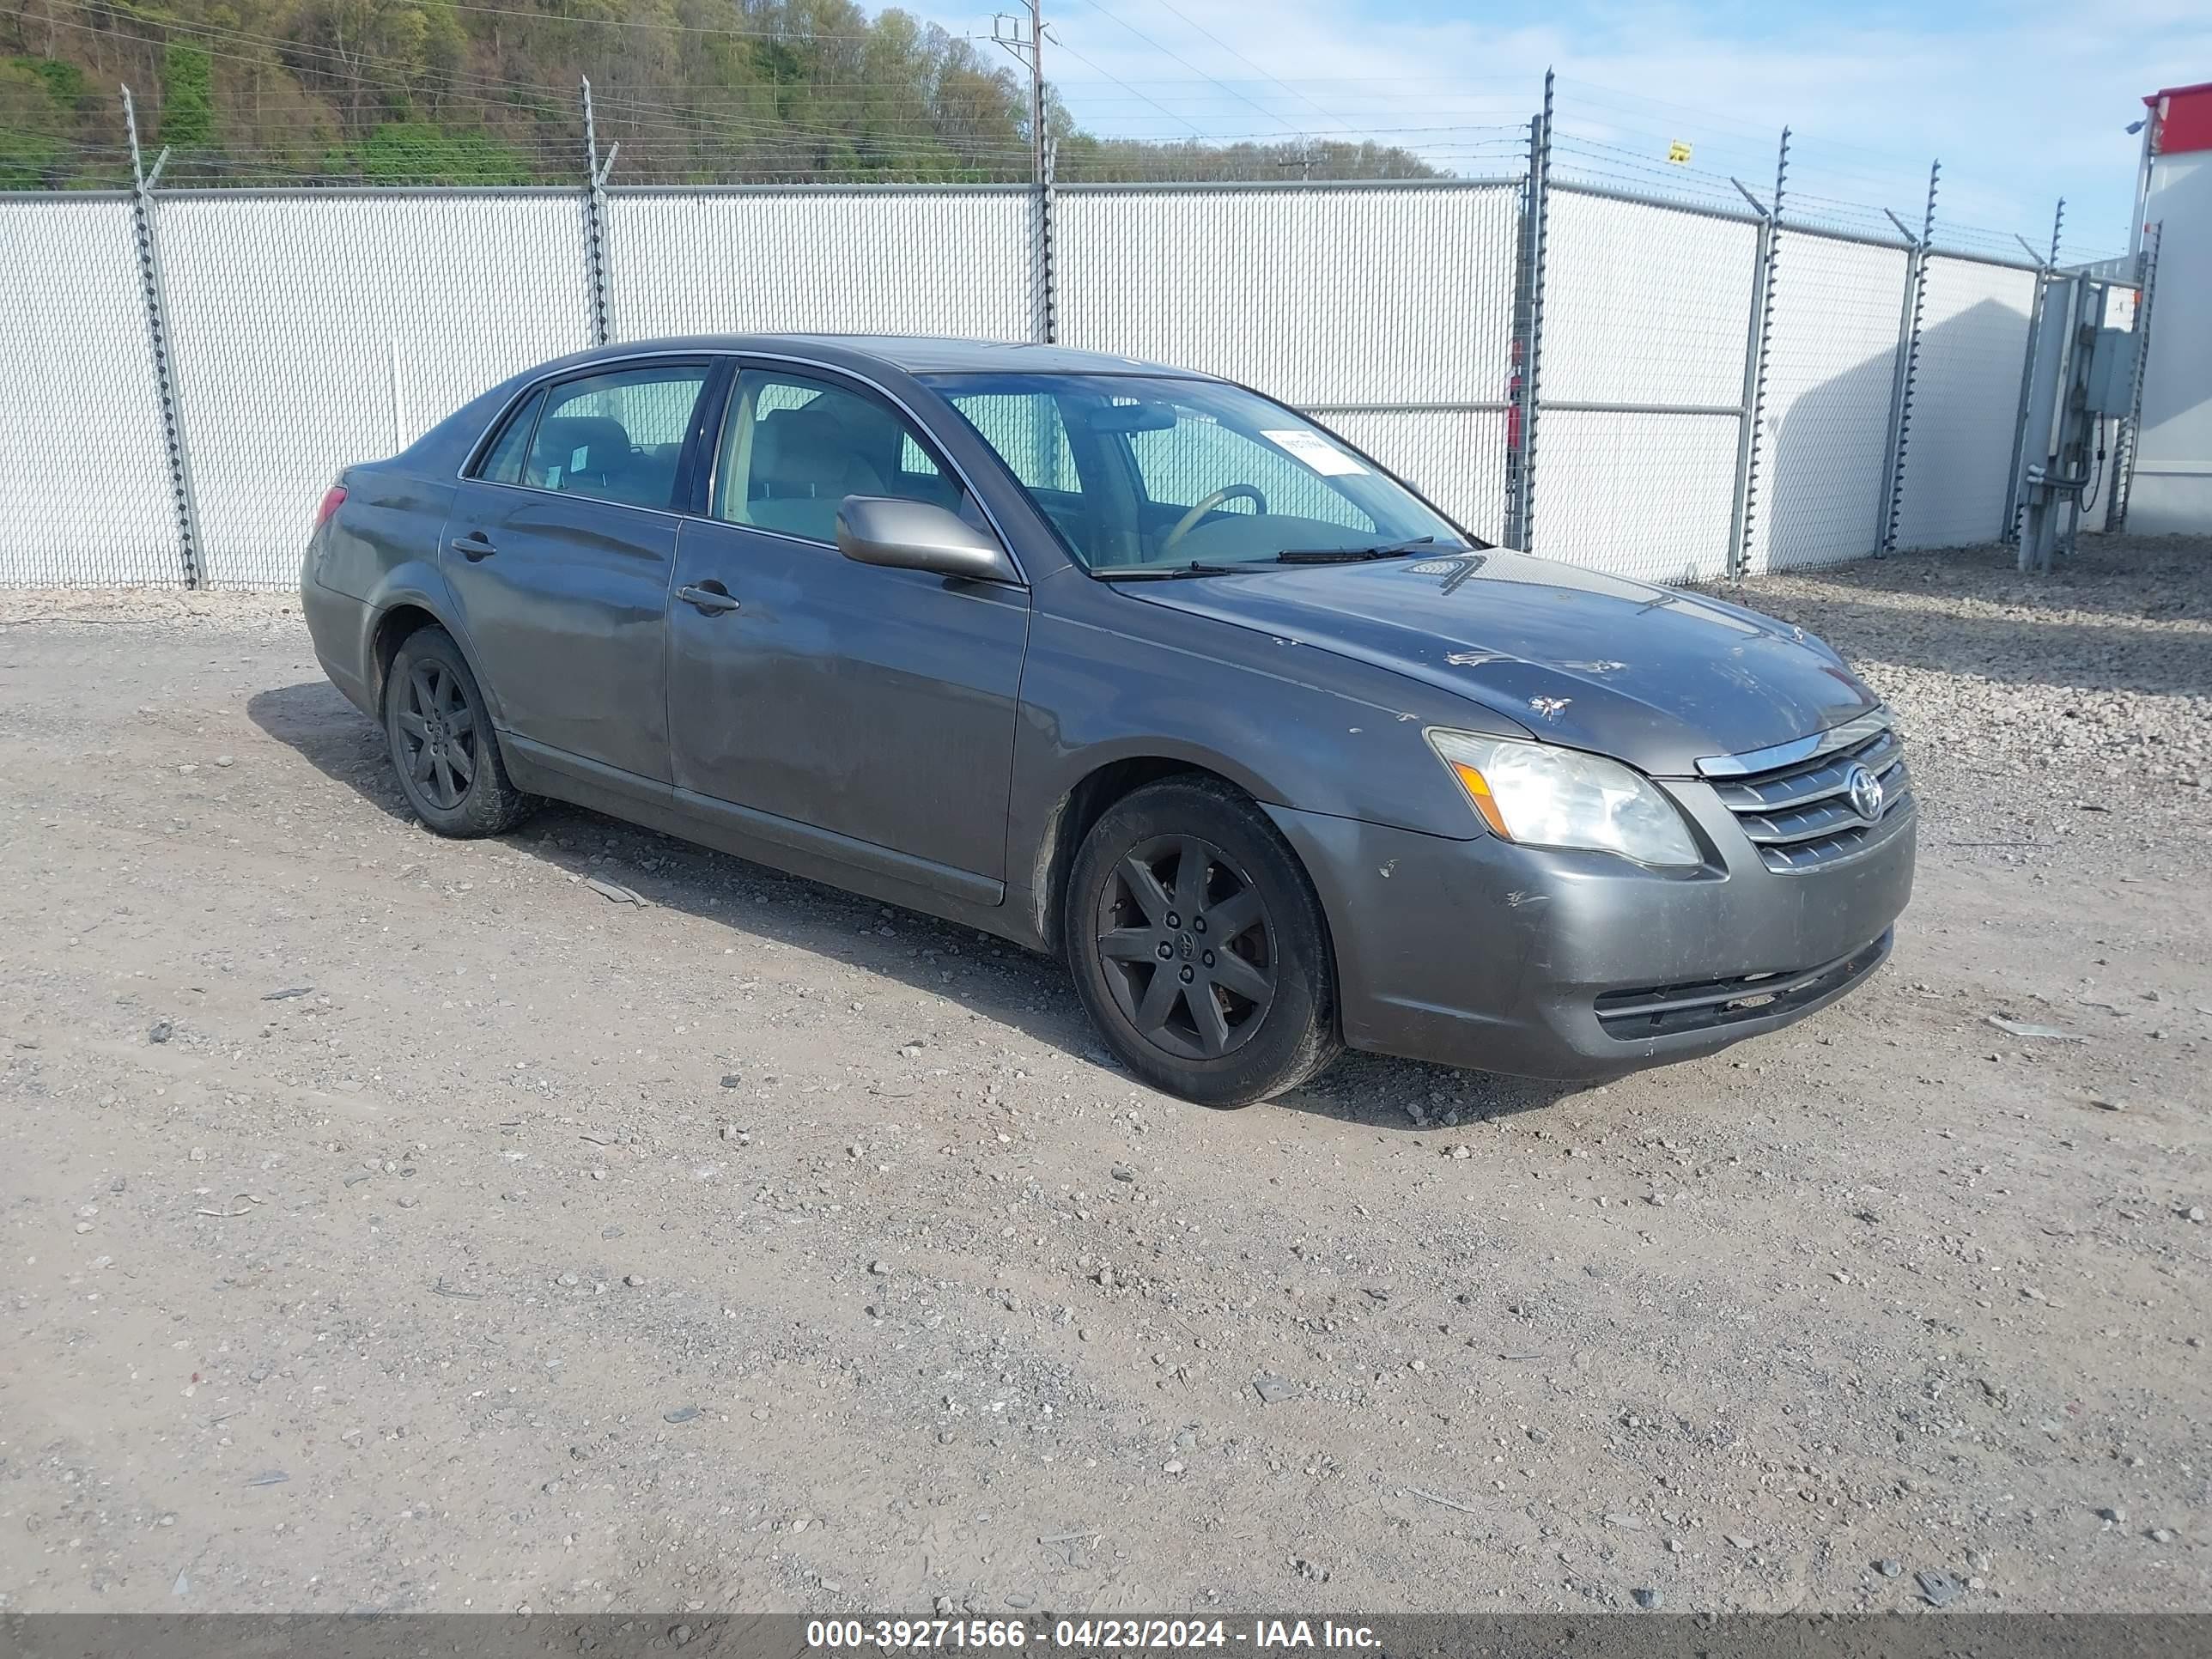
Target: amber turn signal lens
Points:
(1478, 792)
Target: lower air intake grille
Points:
(1665, 1009)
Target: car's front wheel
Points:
(1198, 947)
(441, 741)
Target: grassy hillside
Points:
(485, 92)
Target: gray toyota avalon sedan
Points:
(1130, 665)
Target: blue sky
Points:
(2023, 102)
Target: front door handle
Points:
(474, 546)
(710, 598)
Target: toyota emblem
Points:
(1865, 791)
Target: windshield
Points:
(1150, 475)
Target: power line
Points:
(1127, 87)
(635, 110)
(839, 123)
(1242, 59)
(1185, 62)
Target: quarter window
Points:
(793, 447)
(502, 462)
(618, 436)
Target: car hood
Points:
(1654, 676)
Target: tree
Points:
(187, 96)
(34, 147)
(484, 91)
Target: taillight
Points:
(332, 498)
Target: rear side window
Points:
(618, 436)
(502, 462)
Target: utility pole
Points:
(1026, 45)
(1036, 92)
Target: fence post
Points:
(1521, 494)
(1754, 369)
(2013, 503)
(185, 502)
(1044, 265)
(2124, 457)
(1908, 368)
(595, 222)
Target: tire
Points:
(1221, 1018)
(439, 734)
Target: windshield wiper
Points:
(1352, 555)
(1167, 573)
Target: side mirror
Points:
(917, 536)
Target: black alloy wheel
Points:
(1186, 945)
(439, 729)
(439, 734)
(1197, 944)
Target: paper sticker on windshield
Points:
(1316, 452)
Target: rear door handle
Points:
(473, 546)
(710, 599)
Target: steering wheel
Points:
(1249, 492)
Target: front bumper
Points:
(1581, 966)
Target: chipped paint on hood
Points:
(1654, 676)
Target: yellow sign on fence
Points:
(1679, 153)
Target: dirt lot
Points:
(397, 1224)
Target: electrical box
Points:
(2111, 379)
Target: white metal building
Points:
(2171, 490)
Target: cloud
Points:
(2023, 102)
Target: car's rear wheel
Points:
(1198, 947)
(441, 741)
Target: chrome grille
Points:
(1793, 800)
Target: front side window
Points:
(617, 437)
(793, 447)
(1141, 472)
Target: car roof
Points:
(911, 354)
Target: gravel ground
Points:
(2071, 709)
(397, 1224)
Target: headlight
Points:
(1538, 796)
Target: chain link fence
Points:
(313, 329)
(868, 259)
(1646, 312)
(86, 496)
(1380, 309)
(1974, 351)
(1831, 371)
(1722, 390)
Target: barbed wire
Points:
(836, 121)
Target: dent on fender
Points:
(421, 587)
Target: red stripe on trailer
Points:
(2181, 118)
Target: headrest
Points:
(802, 449)
(599, 440)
